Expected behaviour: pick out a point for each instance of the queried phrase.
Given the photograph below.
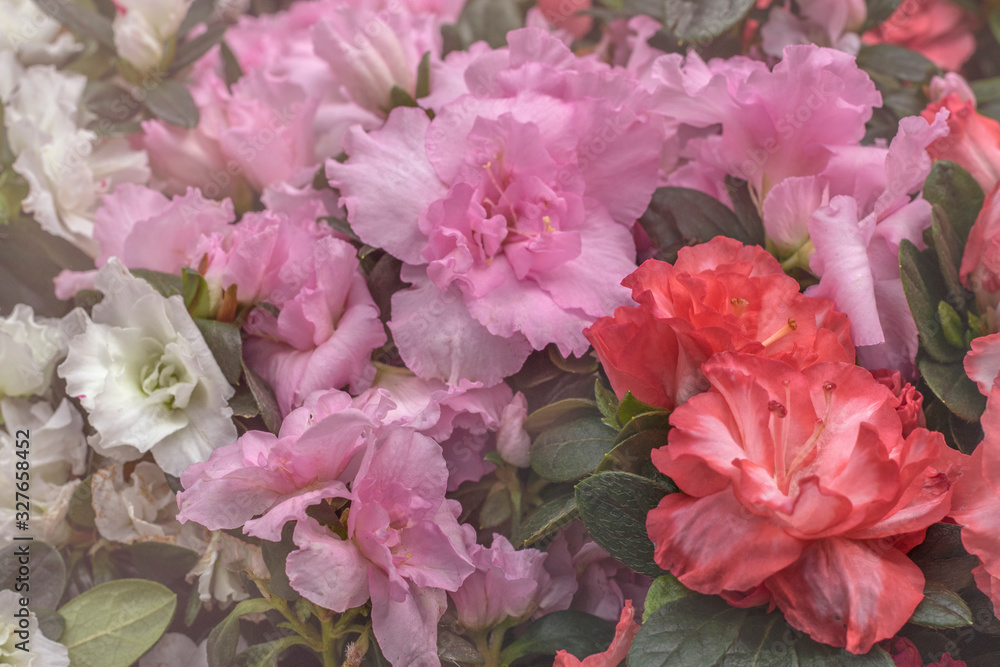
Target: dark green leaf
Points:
(243, 403)
(266, 401)
(953, 189)
(547, 519)
(29, 259)
(172, 103)
(452, 648)
(223, 638)
(994, 21)
(342, 226)
(692, 631)
(879, 11)
(986, 90)
(199, 12)
(47, 571)
(275, 554)
(109, 101)
(487, 20)
(941, 608)
(949, 253)
(631, 406)
(572, 631)
(570, 451)
(193, 608)
(950, 383)
(226, 344)
(613, 506)
(679, 217)
(630, 453)
(400, 98)
(607, 403)
(266, 655)
(658, 420)
(897, 61)
(924, 289)
(694, 20)
(165, 563)
(746, 209)
(166, 284)
(193, 49)
(560, 411)
(81, 506)
(496, 509)
(423, 88)
(77, 19)
(230, 65)
(664, 589)
(50, 622)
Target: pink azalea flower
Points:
(505, 585)
(399, 545)
(625, 632)
(809, 471)
(509, 210)
(460, 417)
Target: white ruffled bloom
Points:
(67, 167)
(176, 650)
(146, 377)
(57, 453)
(43, 652)
(29, 352)
(142, 27)
(33, 36)
(140, 509)
(223, 557)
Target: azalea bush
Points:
(499, 332)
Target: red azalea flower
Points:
(973, 139)
(718, 296)
(802, 482)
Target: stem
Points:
(304, 630)
(514, 489)
(329, 644)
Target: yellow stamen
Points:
(782, 332)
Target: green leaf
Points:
(949, 253)
(50, 622)
(165, 563)
(190, 51)
(694, 20)
(657, 420)
(879, 11)
(223, 638)
(570, 451)
(630, 453)
(679, 217)
(951, 323)
(664, 589)
(941, 608)
(197, 295)
(400, 98)
(81, 506)
(924, 290)
(955, 190)
(47, 571)
(560, 411)
(423, 88)
(613, 506)
(631, 406)
(230, 66)
(487, 20)
(994, 21)
(607, 403)
(452, 648)
(111, 625)
(950, 383)
(167, 284)
(547, 519)
(266, 655)
(897, 61)
(108, 100)
(200, 11)
(266, 401)
(275, 554)
(226, 344)
(172, 103)
(77, 19)
(573, 631)
(694, 630)
(496, 508)
(746, 209)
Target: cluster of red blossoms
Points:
(804, 478)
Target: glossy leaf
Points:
(547, 519)
(226, 344)
(679, 217)
(950, 383)
(694, 20)
(573, 631)
(663, 590)
(47, 571)
(941, 608)
(560, 411)
(570, 451)
(924, 290)
(171, 102)
(223, 638)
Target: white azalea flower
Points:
(58, 452)
(29, 352)
(140, 509)
(146, 377)
(33, 36)
(143, 26)
(176, 650)
(67, 167)
(43, 652)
